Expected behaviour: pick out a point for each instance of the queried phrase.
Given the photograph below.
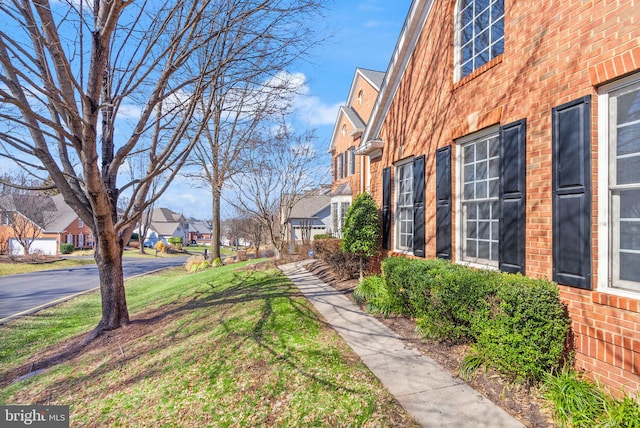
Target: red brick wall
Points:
(555, 52)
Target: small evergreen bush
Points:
(175, 241)
(66, 248)
(517, 325)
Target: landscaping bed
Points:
(522, 402)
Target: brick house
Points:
(49, 222)
(506, 135)
(350, 174)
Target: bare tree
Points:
(250, 87)
(277, 175)
(83, 87)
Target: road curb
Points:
(66, 298)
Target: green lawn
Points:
(229, 346)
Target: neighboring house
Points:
(506, 136)
(199, 232)
(164, 225)
(310, 216)
(47, 220)
(350, 173)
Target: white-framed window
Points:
(343, 131)
(340, 166)
(479, 34)
(619, 170)
(5, 218)
(80, 240)
(479, 198)
(404, 206)
(334, 218)
(352, 160)
(80, 223)
(360, 96)
(344, 206)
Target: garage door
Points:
(40, 245)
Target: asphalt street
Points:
(20, 293)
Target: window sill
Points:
(477, 265)
(478, 71)
(617, 299)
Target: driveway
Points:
(25, 292)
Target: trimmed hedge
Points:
(517, 325)
(66, 248)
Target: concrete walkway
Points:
(426, 390)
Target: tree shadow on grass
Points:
(172, 325)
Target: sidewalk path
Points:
(427, 391)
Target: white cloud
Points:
(313, 111)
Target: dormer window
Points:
(479, 34)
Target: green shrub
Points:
(175, 241)
(217, 262)
(66, 248)
(525, 335)
(372, 291)
(518, 325)
(320, 236)
(204, 265)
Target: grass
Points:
(17, 268)
(579, 403)
(223, 347)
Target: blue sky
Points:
(362, 33)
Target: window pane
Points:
(630, 266)
(494, 251)
(495, 230)
(497, 10)
(468, 173)
(482, 22)
(481, 171)
(628, 139)
(471, 249)
(467, 36)
(483, 250)
(481, 151)
(468, 191)
(630, 235)
(483, 230)
(628, 170)
(494, 168)
(494, 188)
(481, 190)
(469, 154)
(467, 12)
(629, 107)
(630, 204)
(472, 211)
(472, 231)
(494, 148)
(484, 211)
(497, 48)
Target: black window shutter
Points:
(443, 203)
(386, 208)
(572, 193)
(418, 206)
(512, 196)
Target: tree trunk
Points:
(361, 270)
(114, 302)
(215, 226)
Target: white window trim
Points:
(458, 230)
(396, 217)
(604, 240)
